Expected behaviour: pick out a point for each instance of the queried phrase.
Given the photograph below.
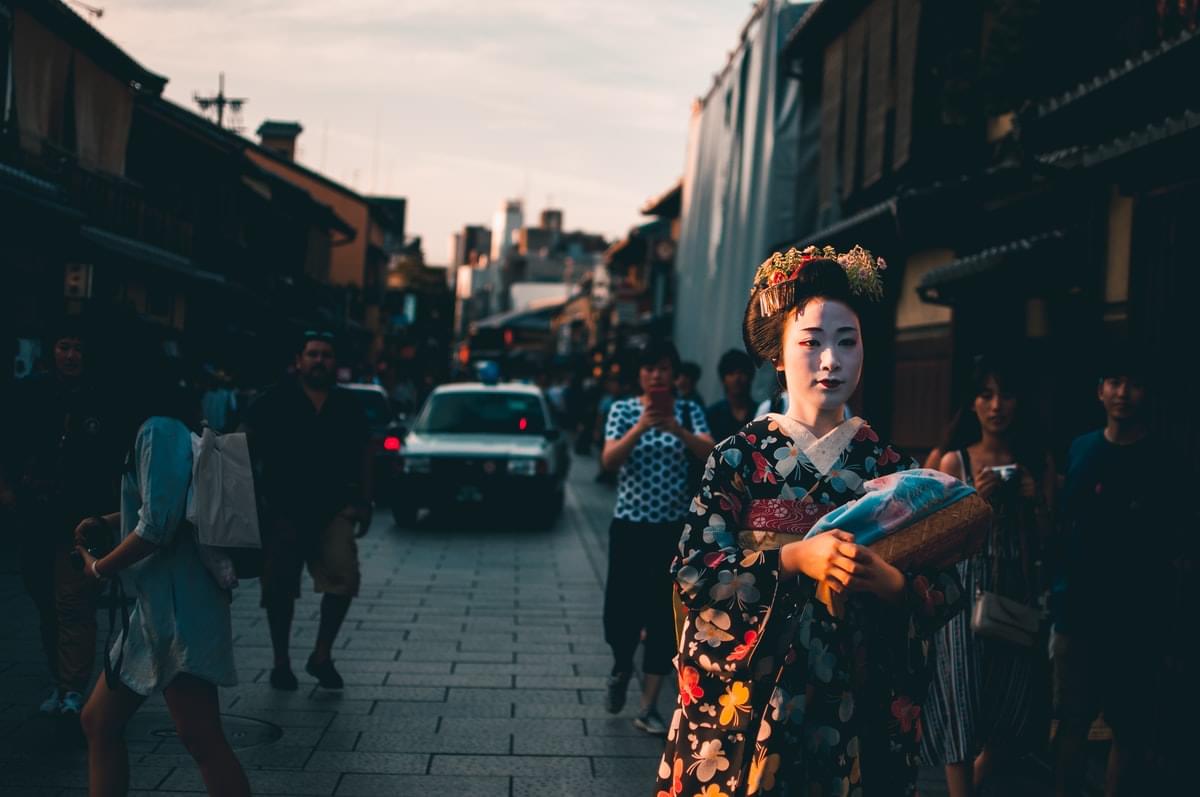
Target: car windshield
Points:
(482, 413)
(375, 404)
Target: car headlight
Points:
(526, 467)
(418, 465)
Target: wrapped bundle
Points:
(914, 519)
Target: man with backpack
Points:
(310, 438)
(60, 458)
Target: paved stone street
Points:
(474, 664)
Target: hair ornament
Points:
(775, 278)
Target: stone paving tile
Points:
(509, 765)
(613, 726)
(466, 695)
(581, 787)
(385, 709)
(422, 717)
(588, 745)
(357, 785)
(272, 756)
(566, 710)
(473, 668)
(627, 768)
(412, 693)
(261, 782)
(382, 763)
(431, 652)
(515, 727)
(443, 742)
(494, 680)
(559, 682)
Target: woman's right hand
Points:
(826, 559)
(987, 481)
(81, 529)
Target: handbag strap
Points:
(116, 603)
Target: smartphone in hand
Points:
(661, 403)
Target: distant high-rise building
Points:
(552, 219)
(508, 219)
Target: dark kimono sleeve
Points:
(729, 590)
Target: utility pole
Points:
(220, 102)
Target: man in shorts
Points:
(310, 439)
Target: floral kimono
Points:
(776, 695)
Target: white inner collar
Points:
(822, 452)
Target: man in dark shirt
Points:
(60, 459)
(1110, 496)
(311, 440)
(730, 414)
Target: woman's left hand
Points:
(1028, 484)
(874, 575)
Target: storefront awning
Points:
(535, 318)
(147, 254)
(942, 285)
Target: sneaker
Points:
(52, 703)
(325, 674)
(651, 723)
(72, 703)
(283, 679)
(618, 684)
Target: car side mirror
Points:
(553, 434)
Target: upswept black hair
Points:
(818, 279)
(1024, 435)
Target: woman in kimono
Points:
(777, 694)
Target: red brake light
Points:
(391, 444)
(523, 424)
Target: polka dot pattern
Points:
(652, 485)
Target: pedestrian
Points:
(651, 445)
(612, 391)
(777, 695)
(737, 409)
(311, 438)
(60, 460)
(984, 706)
(686, 382)
(179, 637)
(219, 403)
(1112, 489)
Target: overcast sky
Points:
(456, 104)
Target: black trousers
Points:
(637, 594)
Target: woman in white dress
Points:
(179, 638)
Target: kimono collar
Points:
(822, 452)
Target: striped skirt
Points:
(982, 690)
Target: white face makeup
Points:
(822, 356)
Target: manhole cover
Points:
(242, 732)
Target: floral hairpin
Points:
(773, 280)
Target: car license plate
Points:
(469, 492)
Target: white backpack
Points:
(222, 506)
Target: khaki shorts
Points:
(332, 563)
